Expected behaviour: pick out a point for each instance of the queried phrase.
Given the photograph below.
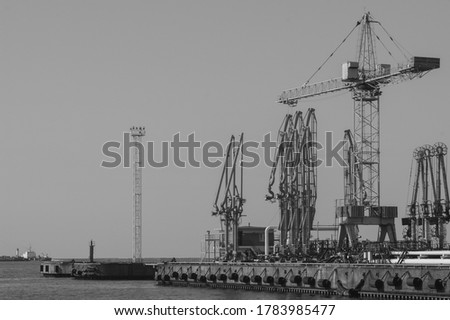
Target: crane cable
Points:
(326, 60)
(382, 43)
(397, 44)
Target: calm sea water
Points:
(22, 280)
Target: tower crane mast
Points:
(364, 78)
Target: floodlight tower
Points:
(138, 162)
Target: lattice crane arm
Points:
(418, 68)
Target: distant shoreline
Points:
(9, 258)
(19, 258)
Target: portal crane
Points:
(364, 78)
(294, 160)
(229, 201)
(429, 207)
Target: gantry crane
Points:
(295, 157)
(229, 201)
(364, 78)
(425, 224)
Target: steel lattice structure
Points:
(137, 133)
(364, 78)
(367, 139)
(429, 207)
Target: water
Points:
(23, 281)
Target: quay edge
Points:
(372, 281)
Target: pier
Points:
(370, 281)
(99, 270)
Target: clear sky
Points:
(76, 74)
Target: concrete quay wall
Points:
(363, 280)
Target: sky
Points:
(77, 74)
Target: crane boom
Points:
(418, 67)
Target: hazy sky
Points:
(76, 74)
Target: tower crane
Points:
(364, 78)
